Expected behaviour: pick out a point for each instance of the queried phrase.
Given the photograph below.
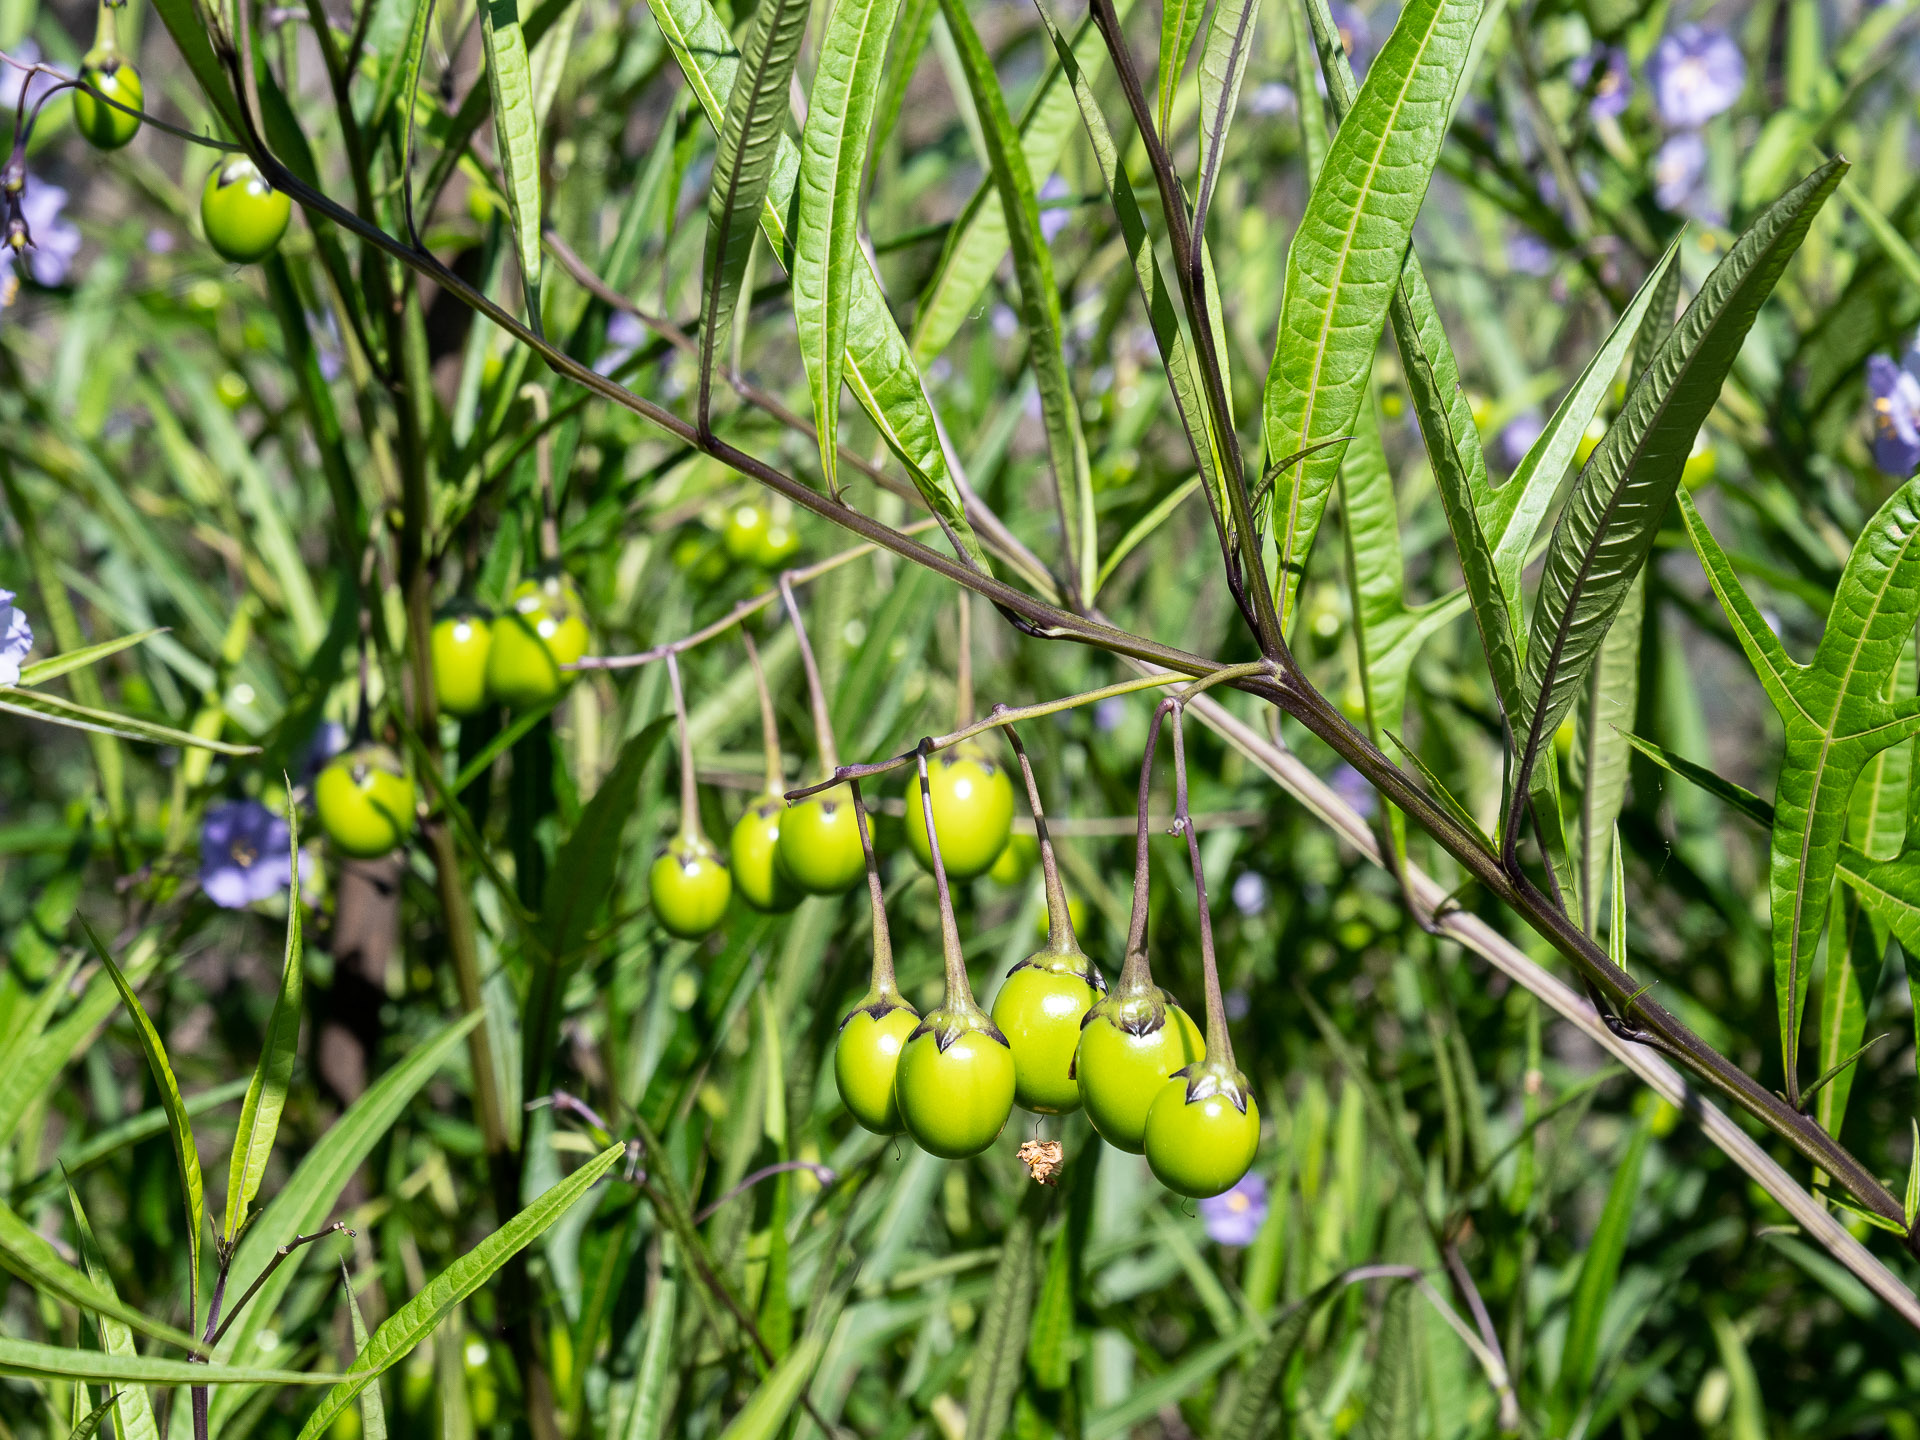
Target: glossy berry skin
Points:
(866, 1059)
(1201, 1144)
(689, 887)
(1119, 1074)
(754, 852)
(972, 811)
(820, 844)
(460, 645)
(954, 1102)
(1039, 1009)
(365, 801)
(244, 217)
(544, 627)
(105, 127)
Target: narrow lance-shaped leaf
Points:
(32, 1360)
(89, 1423)
(373, 1412)
(42, 671)
(1853, 967)
(53, 709)
(977, 242)
(1607, 528)
(833, 157)
(1196, 418)
(133, 1415)
(1039, 300)
(1600, 1272)
(1179, 23)
(879, 367)
(26, 1253)
(415, 1320)
(179, 1127)
(516, 135)
(742, 165)
(1000, 1347)
(1837, 714)
(1223, 66)
(267, 1094)
(1613, 692)
(1346, 259)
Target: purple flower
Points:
(1053, 221)
(625, 334)
(1355, 38)
(1236, 1217)
(51, 242)
(1528, 254)
(243, 854)
(1896, 414)
(1249, 893)
(1678, 167)
(1353, 787)
(1108, 714)
(1517, 439)
(1612, 91)
(16, 639)
(16, 77)
(1696, 73)
(1274, 98)
(326, 344)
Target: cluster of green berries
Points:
(364, 796)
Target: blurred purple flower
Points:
(1249, 893)
(160, 242)
(1053, 221)
(1613, 90)
(625, 335)
(243, 854)
(1355, 38)
(16, 638)
(1528, 254)
(52, 242)
(1275, 98)
(1351, 786)
(1678, 167)
(326, 344)
(1108, 713)
(1236, 1002)
(1896, 414)
(1695, 73)
(329, 739)
(1006, 325)
(1236, 1217)
(1517, 439)
(14, 78)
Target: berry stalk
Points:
(816, 695)
(1060, 937)
(1219, 1044)
(884, 986)
(1135, 973)
(689, 792)
(769, 723)
(959, 997)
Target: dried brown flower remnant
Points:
(1043, 1160)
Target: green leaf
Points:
(396, 50)
(190, 33)
(26, 1253)
(303, 1204)
(30, 1360)
(1911, 1207)
(1600, 1272)
(1179, 23)
(742, 166)
(1000, 1345)
(880, 369)
(1270, 1366)
(516, 135)
(910, 36)
(267, 1094)
(415, 1320)
(90, 1423)
(1345, 261)
(373, 1413)
(652, 1386)
(765, 1415)
(833, 157)
(1393, 1394)
(179, 1126)
(52, 708)
(1606, 530)
(1196, 417)
(1039, 301)
(1606, 718)
(1745, 801)
(42, 671)
(1223, 66)
(977, 243)
(133, 1417)
(1838, 713)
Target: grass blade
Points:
(30, 1360)
(42, 671)
(373, 1413)
(108, 722)
(415, 1320)
(27, 1254)
(133, 1416)
(1743, 800)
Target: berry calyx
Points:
(689, 886)
(106, 128)
(820, 843)
(753, 852)
(972, 811)
(866, 1060)
(1129, 1044)
(365, 801)
(461, 642)
(1039, 1009)
(544, 628)
(243, 215)
(1203, 1130)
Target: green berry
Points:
(689, 887)
(105, 127)
(866, 1058)
(955, 1085)
(1125, 1055)
(365, 801)
(1039, 1009)
(820, 843)
(1202, 1131)
(544, 628)
(460, 645)
(754, 853)
(244, 217)
(972, 811)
